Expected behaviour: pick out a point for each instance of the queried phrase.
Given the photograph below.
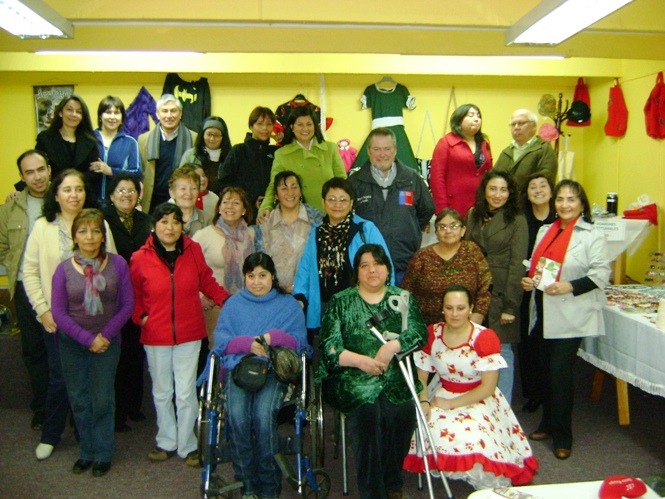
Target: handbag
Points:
(285, 362)
(250, 373)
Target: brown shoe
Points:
(394, 494)
(562, 453)
(159, 455)
(538, 436)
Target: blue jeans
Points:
(90, 379)
(56, 407)
(506, 375)
(252, 424)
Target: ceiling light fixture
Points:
(33, 19)
(552, 21)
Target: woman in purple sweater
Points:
(92, 298)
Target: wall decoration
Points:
(46, 100)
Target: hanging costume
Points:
(136, 116)
(195, 98)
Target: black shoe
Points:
(37, 422)
(81, 466)
(531, 405)
(121, 427)
(100, 469)
(137, 416)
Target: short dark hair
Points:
(119, 177)
(30, 152)
(107, 103)
(165, 209)
(337, 183)
(379, 255)
(235, 191)
(449, 212)
(52, 208)
(261, 112)
(90, 216)
(524, 195)
(300, 112)
(481, 207)
(577, 188)
(281, 177)
(260, 259)
(457, 288)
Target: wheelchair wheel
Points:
(323, 481)
(315, 418)
(202, 428)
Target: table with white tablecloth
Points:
(580, 490)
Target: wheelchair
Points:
(308, 479)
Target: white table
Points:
(581, 490)
(623, 236)
(632, 351)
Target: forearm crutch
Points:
(423, 429)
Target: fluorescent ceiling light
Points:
(33, 19)
(552, 21)
(111, 53)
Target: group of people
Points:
(148, 276)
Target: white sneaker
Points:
(43, 451)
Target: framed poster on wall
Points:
(46, 99)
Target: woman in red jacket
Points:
(168, 272)
(460, 161)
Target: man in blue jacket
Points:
(394, 197)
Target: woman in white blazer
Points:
(569, 271)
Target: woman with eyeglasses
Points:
(210, 149)
(130, 228)
(326, 265)
(460, 160)
(452, 260)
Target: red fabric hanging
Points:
(581, 93)
(654, 110)
(617, 113)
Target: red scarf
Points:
(554, 245)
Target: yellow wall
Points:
(631, 165)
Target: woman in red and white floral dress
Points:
(476, 435)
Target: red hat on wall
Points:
(581, 94)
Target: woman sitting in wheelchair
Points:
(260, 309)
(476, 436)
(361, 379)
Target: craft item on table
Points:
(660, 317)
(634, 297)
(386, 105)
(194, 96)
(347, 152)
(619, 486)
(643, 209)
(655, 274)
(507, 493)
(617, 112)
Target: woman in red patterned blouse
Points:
(450, 261)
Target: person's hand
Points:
(559, 288)
(99, 344)
(527, 284)
(145, 319)
(277, 137)
(47, 321)
(207, 303)
(257, 348)
(442, 403)
(387, 352)
(371, 366)
(427, 408)
(12, 195)
(266, 336)
(100, 167)
(506, 319)
(263, 217)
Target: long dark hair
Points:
(577, 188)
(456, 128)
(84, 128)
(260, 259)
(379, 255)
(299, 112)
(107, 103)
(200, 145)
(481, 207)
(119, 177)
(52, 208)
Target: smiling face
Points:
(111, 119)
(449, 231)
(568, 205)
(71, 195)
(125, 196)
(89, 238)
(456, 309)
(213, 138)
(36, 174)
(303, 129)
(258, 281)
(382, 152)
(231, 209)
(184, 192)
(471, 122)
(288, 193)
(496, 193)
(262, 128)
(539, 192)
(204, 178)
(168, 230)
(71, 114)
(169, 116)
(372, 275)
(337, 204)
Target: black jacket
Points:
(404, 214)
(127, 243)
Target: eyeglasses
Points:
(122, 192)
(519, 124)
(209, 135)
(333, 200)
(448, 227)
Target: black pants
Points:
(528, 351)
(129, 375)
(33, 349)
(380, 436)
